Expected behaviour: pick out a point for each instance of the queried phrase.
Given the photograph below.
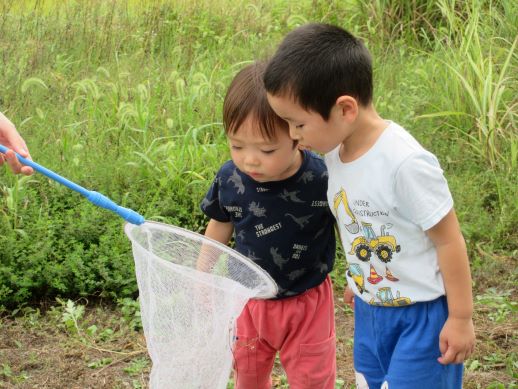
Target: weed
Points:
(10, 375)
(137, 366)
(500, 303)
(130, 310)
(98, 363)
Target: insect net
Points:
(192, 289)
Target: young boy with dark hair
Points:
(407, 259)
(272, 197)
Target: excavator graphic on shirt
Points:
(384, 245)
(341, 198)
(384, 295)
(386, 299)
(355, 272)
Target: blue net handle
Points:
(95, 198)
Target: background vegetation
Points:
(125, 97)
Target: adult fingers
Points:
(15, 165)
(10, 137)
(27, 170)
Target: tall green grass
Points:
(481, 69)
(125, 97)
(473, 65)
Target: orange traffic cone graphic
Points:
(374, 277)
(389, 276)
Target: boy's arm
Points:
(219, 231)
(349, 297)
(348, 292)
(457, 338)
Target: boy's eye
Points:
(299, 126)
(268, 151)
(236, 147)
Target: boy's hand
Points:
(456, 340)
(349, 297)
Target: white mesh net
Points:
(192, 289)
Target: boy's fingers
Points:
(443, 345)
(448, 357)
(461, 357)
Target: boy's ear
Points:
(348, 107)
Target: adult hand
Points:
(10, 138)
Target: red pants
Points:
(301, 328)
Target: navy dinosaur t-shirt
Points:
(286, 227)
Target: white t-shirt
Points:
(384, 201)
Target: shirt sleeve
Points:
(422, 192)
(211, 205)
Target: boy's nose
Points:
(294, 133)
(251, 160)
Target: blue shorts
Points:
(398, 347)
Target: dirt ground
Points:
(41, 354)
(37, 351)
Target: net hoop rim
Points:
(128, 227)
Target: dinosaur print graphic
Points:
(257, 210)
(237, 181)
(207, 203)
(286, 292)
(319, 232)
(306, 177)
(277, 258)
(322, 267)
(290, 196)
(241, 235)
(301, 221)
(296, 274)
(251, 255)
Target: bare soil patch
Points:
(37, 351)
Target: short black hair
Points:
(316, 63)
